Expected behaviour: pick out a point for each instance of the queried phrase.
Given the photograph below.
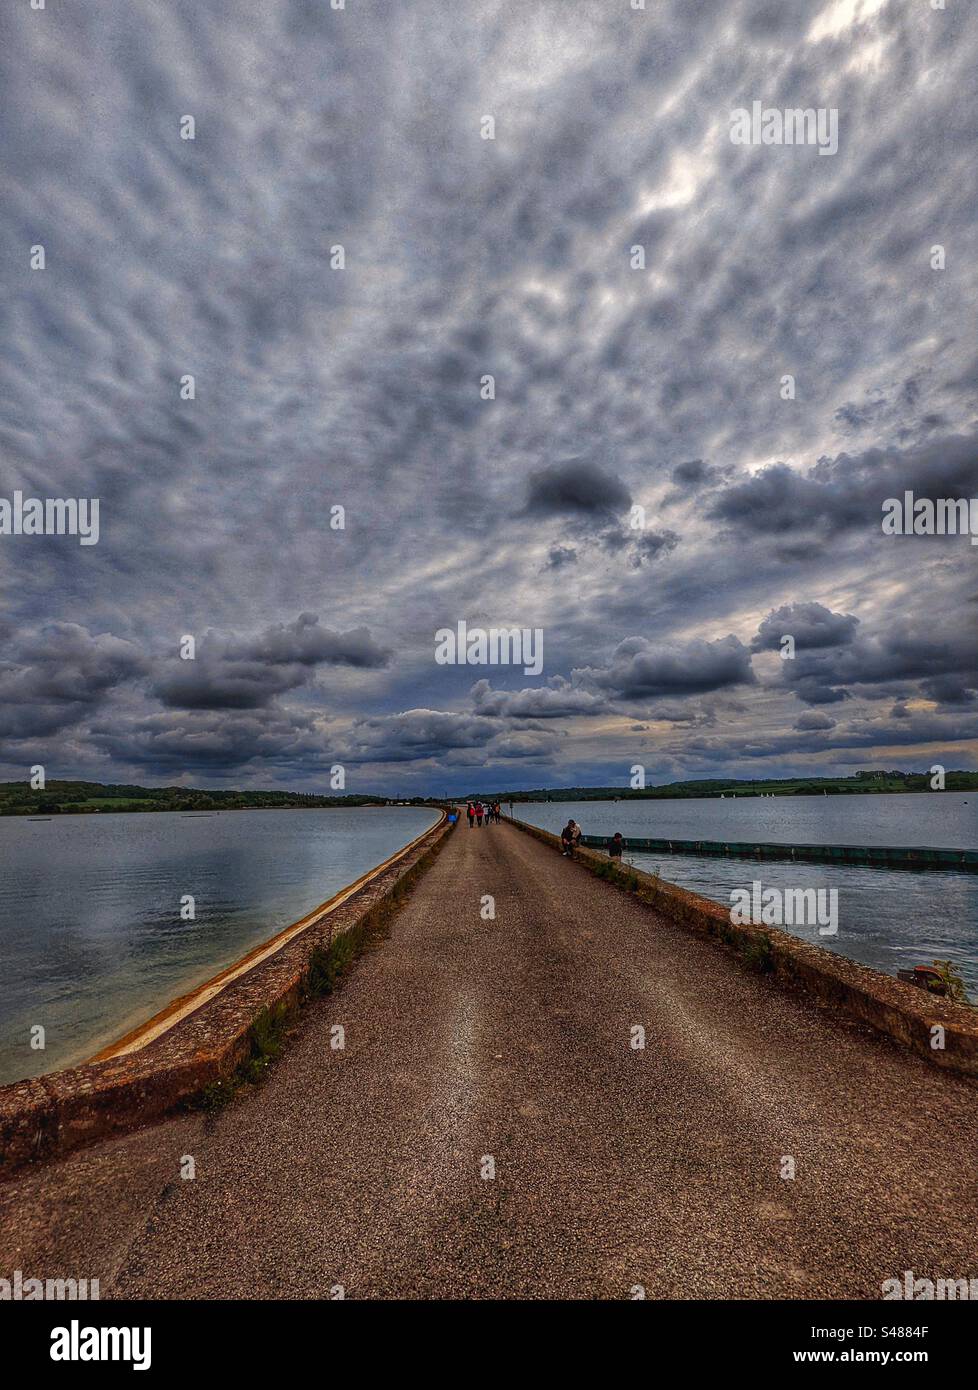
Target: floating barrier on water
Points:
(884, 856)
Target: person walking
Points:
(615, 845)
(479, 813)
(470, 812)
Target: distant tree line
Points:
(93, 798)
(861, 783)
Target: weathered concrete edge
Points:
(47, 1116)
(898, 1010)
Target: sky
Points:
(639, 482)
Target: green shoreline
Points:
(92, 798)
(95, 798)
(861, 784)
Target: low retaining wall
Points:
(900, 1011)
(50, 1115)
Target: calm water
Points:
(888, 918)
(90, 931)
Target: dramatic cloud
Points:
(640, 669)
(248, 672)
(440, 738)
(557, 699)
(579, 487)
(811, 625)
(848, 492)
(902, 653)
(52, 678)
(341, 263)
(813, 723)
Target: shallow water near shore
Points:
(891, 919)
(91, 936)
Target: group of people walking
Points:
(485, 812)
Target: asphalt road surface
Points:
(489, 1130)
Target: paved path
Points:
(614, 1167)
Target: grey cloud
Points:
(247, 672)
(577, 487)
(812, 625)
(556, 700)
(691, 473)
(651, 544)
(426, 734)
(52, 678)
(640, 668)
(813, 723)
(464, 258)
(848, 491)
(207, 741)
(902, 651)
(305, 643)
(561, 555)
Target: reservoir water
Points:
(91, 936)
(888, 918)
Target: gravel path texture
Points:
(491, 1127)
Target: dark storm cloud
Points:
(848, 491)
(813, 723)
(247, 672)
(304, 643)
(202, 741)
(817, 688)
(692, 473)
(578, 487)
(812, 625)
(641, 669)
(362, 388)
(951, 689)
(904, 653)
(54, 677)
